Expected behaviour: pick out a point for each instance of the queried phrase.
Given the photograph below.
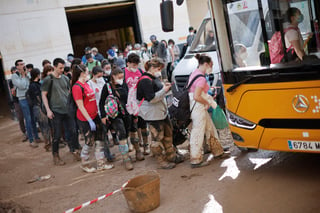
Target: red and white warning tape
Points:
(96, 200)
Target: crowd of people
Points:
(89, 95)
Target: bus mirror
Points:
(180, 2)
(166, 10)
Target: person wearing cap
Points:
(87, 50)
(112, 53)
(159, 50)
(96, 55)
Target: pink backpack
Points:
(276, 47)
(132, 103)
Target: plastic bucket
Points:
(143, 192)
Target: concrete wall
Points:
(150, 21)
(34, 30)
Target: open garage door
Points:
(103, 25)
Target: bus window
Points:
(205, 41)
(244, 21)
(284, 39)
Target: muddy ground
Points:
(262, 181)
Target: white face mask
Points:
(116, 50)
(100, 79)
(157, 74)
(119, 81)
(108, 72)
(130, 47)
(133, 69)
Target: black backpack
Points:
(179, 111)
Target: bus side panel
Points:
(282, 139)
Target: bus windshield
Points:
(268, 34)
(204, 40)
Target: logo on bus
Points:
(300, 103)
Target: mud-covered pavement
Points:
(262, 181)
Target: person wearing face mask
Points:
(202, 124)
(240, 55)
(120, 91)
(144, 55)
(131, 76)
(106, 67)
(97, 83)
(292, 36)
(88, 120)
(152, 92)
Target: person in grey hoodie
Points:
(151, 91)
(21, 81)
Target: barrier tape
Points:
(96, 200)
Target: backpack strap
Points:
(193, 80)
(109, 89)
(140, 70)
(82, 89)
(50, 87)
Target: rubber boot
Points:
(171, 152)
(145, 134)
(57, 160)
(99, 154)
(124, 150)
(135, 142)
(157, 150)
(139, 155)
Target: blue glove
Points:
(92, 125)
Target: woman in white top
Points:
(293, 38)
(96, 83)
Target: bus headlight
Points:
(237, 121)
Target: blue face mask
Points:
(300, 19)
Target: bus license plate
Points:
(304, 145)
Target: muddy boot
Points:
(76, 155)
(134, 139)
(157, 150)
(124, 150)
(47, 145)
(139, 155)
(101, 165)
(171, 152)
(145, 134)
(57, 160)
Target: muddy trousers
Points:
(202, 125)
(92, 139)
(161, 134)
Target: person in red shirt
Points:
(88, 119)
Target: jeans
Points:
(43, 122)
(19, 113)
(29, 120)
(65, 120)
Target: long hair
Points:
(76, 72)
(203, 59)
(45, 71)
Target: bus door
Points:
(271, 105)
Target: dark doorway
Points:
(103, 25)
(4, 93)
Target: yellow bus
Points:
(270, 105)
